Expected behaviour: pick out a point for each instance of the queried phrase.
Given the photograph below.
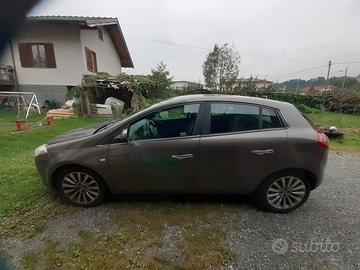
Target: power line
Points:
(299, 71)
(171, 43)
(313, 68)
(208, 49)
(342, 63)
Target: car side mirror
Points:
(122, 137)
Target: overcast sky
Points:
(274, 37)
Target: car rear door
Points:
(160, 158)
(240, 145)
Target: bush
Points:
(314, 102)
(51, 104)
(303, 108)
(74, 92)
(343, 101)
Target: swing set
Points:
(25, 101)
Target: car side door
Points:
(239, 146)
(159, 153)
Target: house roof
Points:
(111, 24)
(317, 88)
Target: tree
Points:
(155, 85)
(221, 68)
(161, 77)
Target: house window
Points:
(101, 35)
(91, 60)
(37, 55)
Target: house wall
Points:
(67, 50)
(106, 55)
(179, 85)
(5, 58)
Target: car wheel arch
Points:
(300, 171)
(62, 167)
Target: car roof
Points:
(224, 98)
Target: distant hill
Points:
(290, 85)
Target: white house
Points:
(317, 89)
(52, 53)
(183, 85)
(258, 83)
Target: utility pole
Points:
(343, 84)
(297, 86)
(328, 73)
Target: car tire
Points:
(283, 192)
(80, 187)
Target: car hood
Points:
(76, 134)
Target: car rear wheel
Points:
(282, 193)
(80, 187)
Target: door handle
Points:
(263, 152)
(184, 156)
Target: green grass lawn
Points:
(26, 207)
(19, 181)
(348, 124)
(24, 202)
(336, 119)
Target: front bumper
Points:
(42, 163)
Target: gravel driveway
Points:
(323, 234)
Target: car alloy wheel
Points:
(286, 192)
(80, 188)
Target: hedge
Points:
(342, 101)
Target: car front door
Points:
(159, 154)
(240, 146)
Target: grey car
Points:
(195, 144)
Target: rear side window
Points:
(270, 119)
(228, 117)
(311, 123)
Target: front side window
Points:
(270, 119)
(231, 117)
(173, 122)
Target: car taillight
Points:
(322, 140)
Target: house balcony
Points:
(6, 76)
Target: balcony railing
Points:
(6, 75)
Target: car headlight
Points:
(41, 150)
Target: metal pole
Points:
(297, 86)
(328, 73)
(14, 66)
(343, 84)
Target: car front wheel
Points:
(283, 193)
(80, 187)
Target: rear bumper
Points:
(321, 169)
